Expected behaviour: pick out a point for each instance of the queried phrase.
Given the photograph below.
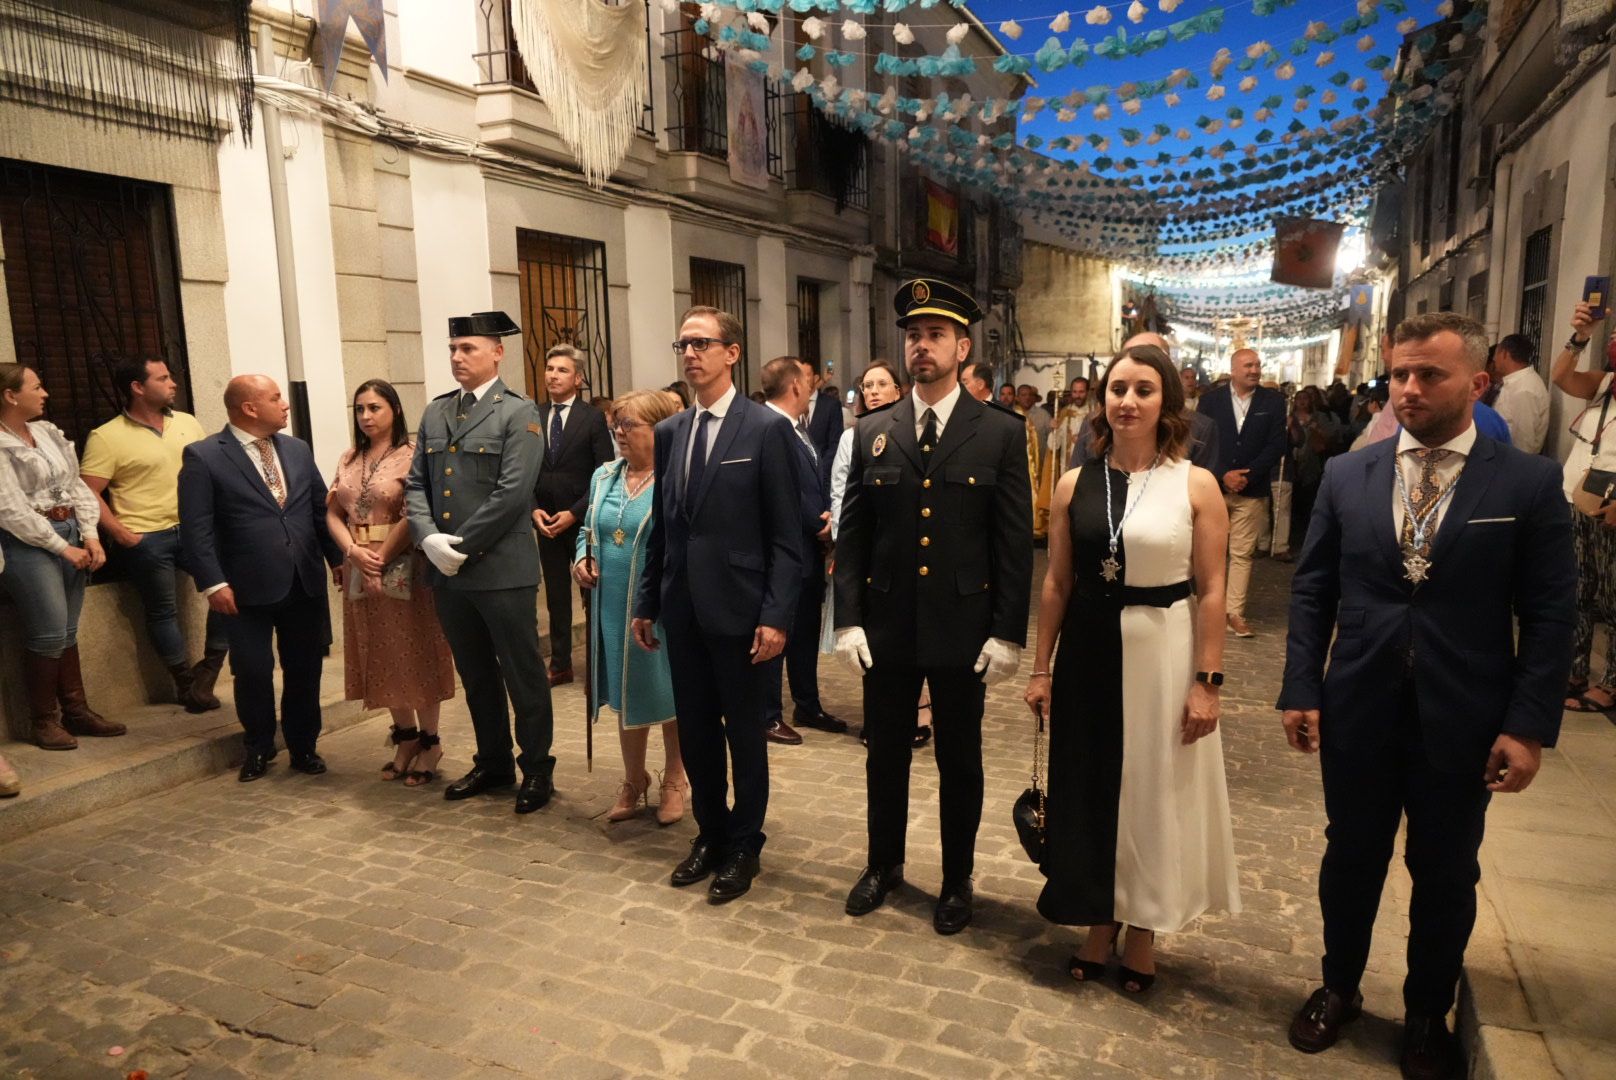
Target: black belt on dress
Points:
(1139, 596)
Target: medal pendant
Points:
(1416, 567)
(618, 536)
(1109, 568)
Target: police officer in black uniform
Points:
(933, 582)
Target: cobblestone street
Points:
(344, 927)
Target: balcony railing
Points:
(698, 99)
(501, 62)
(828, 158)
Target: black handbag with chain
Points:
(1028, 812)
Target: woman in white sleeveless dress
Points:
(1138, 830)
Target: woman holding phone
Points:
(633, 683)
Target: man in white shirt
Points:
(1523, 400)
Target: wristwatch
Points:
(1577, 346)
(1210, 678)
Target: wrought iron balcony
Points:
(828, 158)
(698, 98)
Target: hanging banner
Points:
(1304, 252)
(748, 138)
(331, 26)
(1360, 304)
(942, 219)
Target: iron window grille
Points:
(828, 158)
(564, 301)
(91, 278)
(808, 311)
(698, 96)
(1535, 286)
(500, 61)
(723, 285)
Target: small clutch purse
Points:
(1028, 811)
(1596, 491)
(397, 579)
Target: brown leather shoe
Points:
(560, 678)
(784, 733)
(1430, 1052)
(77, 716)
(42, 674)
(203, 675)
(1318, 1025)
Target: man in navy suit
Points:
(1441, 562)
(824, 420)
(252, 536)
(1250, 422)
(723, 570)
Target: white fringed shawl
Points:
(587, 61)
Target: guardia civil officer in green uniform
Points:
(470, 496)
(933, 581)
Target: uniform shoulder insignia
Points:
(445, 397)
(512, 393)
(535, 429)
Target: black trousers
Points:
(1365, 796)
(891, 695)
(718, 694)
(299, 627)
(799, 661)
(555, 562)
(494, 636)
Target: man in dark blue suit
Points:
(723, 570)
(1251, 438)
(252, 536)
(1441, 561)
(824, 420)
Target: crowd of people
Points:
(1443, 608)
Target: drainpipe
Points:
(1495, 258)
(285, 264)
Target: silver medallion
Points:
(1416, 567)
(1109, 568)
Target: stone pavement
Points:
(341, 926)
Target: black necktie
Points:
(467, 401)
(555, 429)
(698, 460)
(928, 434)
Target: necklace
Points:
(1109, 567)
(629, 492)
(1416, 567)
(367, 472)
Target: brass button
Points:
(446, 515)
(970, 479)
(454, 449)
(924, 570)
(482, 449)
(869, 581)
(925, 511)
(926, 483)
(925, 541)
(878, 483)
(448, 472)
(447, 494)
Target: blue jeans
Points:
(48, 592)
(151, 565)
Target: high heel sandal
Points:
(672, 806)
(398, 736)
(1135, 982)
(922, 734)
(422, 777)
(630, 800)
(1092, 970)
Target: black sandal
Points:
(398, 736)
(1093, 970)
(1136, 982)
(922, 731)
(422, 777)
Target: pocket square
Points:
(1489, 521)
(736, 461)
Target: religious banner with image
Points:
(748, 126)
(1304, 252)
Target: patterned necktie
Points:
(468, 401)
(1424, 496)
(698, 460)
(272, 474)
(802, 433)
(555, 430)
(928, 433)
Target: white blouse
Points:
(40, 477)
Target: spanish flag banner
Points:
(942, 219)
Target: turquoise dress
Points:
(635, 683)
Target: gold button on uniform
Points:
(869, 581)
(447, 494)
(448, 472)
(925, 541)
(446, 515)
(926, 483)
(924, 570)
(878, 483)
(925, 511)
(454, 449)
(970, 479)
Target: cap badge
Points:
(921, 292)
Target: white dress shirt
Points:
(1447, 472)
(719, 410)
(1241, 406)
(1523, 402)
(566, 411)
(477, 394)
(247, 439)
(942, 410)
(840, 466)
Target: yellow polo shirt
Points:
(142, 467)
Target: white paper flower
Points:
(1327, 98)
(1061, 23)
(1314, 29)
(1132, 106)
(957, 32)
(1263, 115)
(902, 34)
(1367, 8)
(1445, 8)
(813, 27)
(1170, 100)
(1457, 45)
(1010, 29)
(758, 21)
(1136, 12)
(802, 80)
(1103, 145)
(885, 103)
(1183, 134)
(831, 87)
(671, 6)
(1169, 6)
(1066, 116)
(1214, 127)
(852, 30)
(1221, 62)
(1248, 84)
(1102, 111)
(1098, 15)
(1285, 70)
(1302, 104)
(1359, 85)
(1366, 43)
(1215, 93)
(1235, 122)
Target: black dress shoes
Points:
(783, 733)
(734, 877)
(477, 781)
(698, 864)
(1318, 1025)
(311, 763)
(819, 720)
(872, 888)
(1430, 1052)
(534, 793)
(254, 767)
(560, 677)
(953, 912)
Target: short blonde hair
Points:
(647, 406)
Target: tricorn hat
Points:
(933, 296)
(494, 324)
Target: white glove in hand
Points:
(440, 553)
(854, 649)
(997, 661)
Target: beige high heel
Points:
(672, 806)
(630, 800)
(10, 782)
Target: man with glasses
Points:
(576, 443)
(723, 570)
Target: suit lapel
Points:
(1380, 486)
(1472, 485)
(237, 453)
(739, 408)
(479, 412)
(901, 431)
(960, 430)
(677, 462)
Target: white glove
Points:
(997, 661)
(854, 650)
(440, 552)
